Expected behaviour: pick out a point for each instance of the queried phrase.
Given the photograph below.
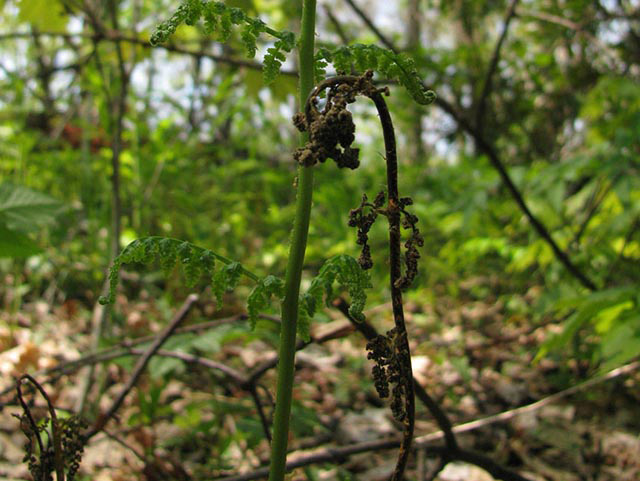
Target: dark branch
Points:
(369, 23)
(113, 36)
(493, 64)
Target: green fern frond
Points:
(219, 20)
(196, 262)
(371, 57)
(347, 272)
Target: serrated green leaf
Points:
(381, 60)
(303, 327)
(226, 279)
(220, 19)
(25, 210)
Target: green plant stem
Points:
(297, 249)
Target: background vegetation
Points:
(524, 176)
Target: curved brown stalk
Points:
(327, 129)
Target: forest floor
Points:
(474, 360)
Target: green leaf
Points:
(603, 308)
(220, 19)
(24, 209)
(621, 344)
(16, 245)
(44, 14)
(226, 279)
(159, 366)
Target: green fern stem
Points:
(297, 249)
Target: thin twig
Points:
(113, 36)
(141, 364)
(506, 415)
(266, 425)
(55, 426)
(120, 350)
(337, 25)
(369, 23)
(27, 412)
(592, 205)
(576, 27)
(493, 64)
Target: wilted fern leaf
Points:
(260, 297)
(348, 273)
(196, 262)
(371, 57)
(220, 20)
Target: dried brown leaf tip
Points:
(389, 370)
(363, 220)
(415, 240)
(364, 216)
(331, 130)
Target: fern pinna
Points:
(200, 263)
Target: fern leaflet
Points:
(196, 262)
(260, 296)
(347, 272)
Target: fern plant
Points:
(326, 134)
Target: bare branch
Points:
(369, 23)
(113, 36)
(142, 364)
(493, 64)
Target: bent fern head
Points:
(371, 57)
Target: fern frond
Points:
(196, 262)
(219, 20)
(347, 272)
(371, 57)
